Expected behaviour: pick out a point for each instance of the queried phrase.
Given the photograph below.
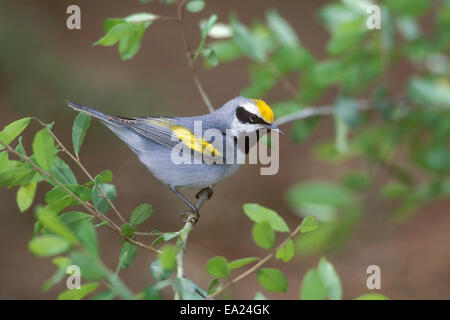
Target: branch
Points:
(318, 111)
(183, 237)
(188, 48)
(256, 266)
(86, 205)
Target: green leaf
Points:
(225, 50)
(372, 296)
(195, 5)
(104, 176)
(218, 267)
(159, 273)
(127, 229)
(127, 254)
(320, 199)
(115, 33)
(78, 294)
(188, 290)
(130, 44)
(99, 201)
(44, 149)
(48, 245)
(59, 198)
(408, 7)
(263, 235)
(259, 213)
(281, 29)
(12, 130)
(430, 92)
(62, 172)
(205, 30)
(170, 235)
(111, 22)
(16, 173)
(74, 216)
(312, 287)
(90, 266)
(286, 252)
(152, 293)
(210, 56)
(309, 224)
(20, 148)
(239, 263)
(140, 214)
(80, 127)
(158, 240)
(212, 284)
(272, 280)
(167, 257)
(4, 161)
(262, 80)
(247, 42)
(49, 219)
(119, 286)
(330, 279)
(105, 295)
(356, 180)
(25, 196)
(85, 232)
(289, 59)
(60, 274)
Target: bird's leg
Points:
(207, 189)
(194, 208)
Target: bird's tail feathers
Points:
(87, 110)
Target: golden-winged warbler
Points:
(209, 145)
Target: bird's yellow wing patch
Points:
(193, 142)
(264, 109)
(189, 139)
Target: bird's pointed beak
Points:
(274, 128)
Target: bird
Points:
(154, 139)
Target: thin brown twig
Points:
(188, 48)
(89, 208)
(256, 266)
(86, 172)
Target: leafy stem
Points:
(86, 205)
(78, 162)
(256, 266)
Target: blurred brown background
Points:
(42, 63)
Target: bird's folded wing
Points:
(166, 132)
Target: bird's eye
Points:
(252, 118)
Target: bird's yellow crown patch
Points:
(265, 110)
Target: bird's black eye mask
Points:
(247, 117)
